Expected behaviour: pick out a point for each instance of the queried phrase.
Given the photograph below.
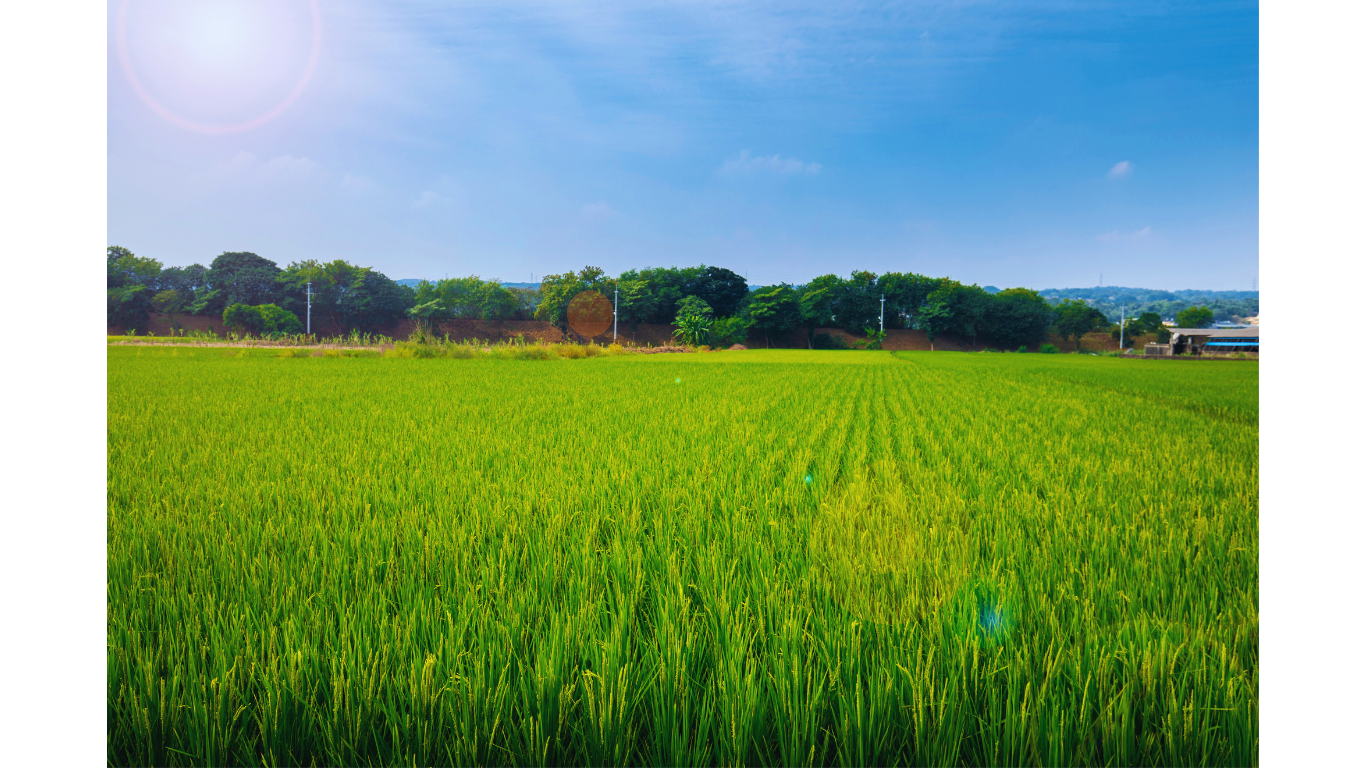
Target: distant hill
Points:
(1226, 305)
(413, 281)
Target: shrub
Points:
(592, 350)
(615, 349)
(1022, 348)
(460, 351)
(571, 351)
(279, 321)
(1048, 349)
(409, 350)
(243, 317)
(266, 319)
(729, 330)
(536, 352)
(826, 341)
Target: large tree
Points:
(858, 302)
(1194, 317)
(636, 302)
(239, 278)
(188, 284)
(722, 289)
(1017, 317)
(124, 268)
(558, 290)
(774, 311)
(935, 316)
(1076, 318)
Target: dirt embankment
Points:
(643, 334)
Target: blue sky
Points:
(1034, 144)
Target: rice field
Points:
(770, 557)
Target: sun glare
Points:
(218, 66)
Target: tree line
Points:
(707, 304)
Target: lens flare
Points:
(121, 41)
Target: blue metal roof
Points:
(1244, 343)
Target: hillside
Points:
(1109, 299)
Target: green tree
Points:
(1017, 317)
(240, 278)
(721, 289)
(167, 302)
(906, 294)
(774, 311)
(124, 269)
(936, 314)
(1194, 317)
(558, 290)
(857, 301)
(692, 306)
(129, 307)
(813, 310)
(1076, 318)
(189, 283)
(636, 302)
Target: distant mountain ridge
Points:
(413, 281)
(1226, 305)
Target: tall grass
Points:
(769, 557)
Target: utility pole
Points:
(881, 314)
(309, 327)
(1121, 328)
(615, 302)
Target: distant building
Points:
(1198, 341)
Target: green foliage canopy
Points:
(1194, 317)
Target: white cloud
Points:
(431, 200)
(1116, 236)
(598, 210)
(1120, 170)
(356, 184)
(745, 164)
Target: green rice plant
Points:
(764, 557)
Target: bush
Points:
(409, 350)
(728, 331)
(1022, 348)
(1048, 349)
(571, 352)
(266, 319)
(537, 352)
(460, 351)
(280, 321)
(826, 341)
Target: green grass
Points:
(765, 557)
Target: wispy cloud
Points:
(430, 200)
(246, 166)
(598, 210)
(787, 166)
(1120, 170)
(1118, 236)
(356, 184)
